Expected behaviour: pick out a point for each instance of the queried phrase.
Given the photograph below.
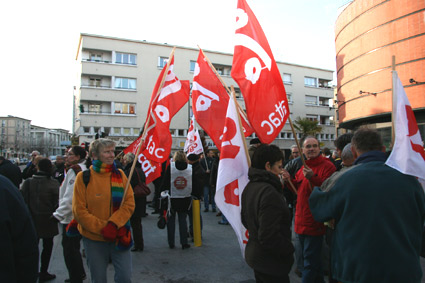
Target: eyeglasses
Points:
(312, 145)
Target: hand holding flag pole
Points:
(145, 130)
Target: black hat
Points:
(255, 141)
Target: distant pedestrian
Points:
(10, 171)
(18, 239)
(30, 169)
(41, 194)
(209, 193)
(59, 169)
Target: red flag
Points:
(210, 100)
(193, 144)
(408, 155)
(173, 96)
(256, 72)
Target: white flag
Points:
(408, 155)
(193, 144)
(232, 173)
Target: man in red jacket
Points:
(308, 231)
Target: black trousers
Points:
(46, 253)
(136, 226)
(72, 256)
(268, 278)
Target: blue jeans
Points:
(207, 191)
(98, 254)
(311, 247)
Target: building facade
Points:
(15, 137)
(368, 35)
(49, 142)
(117, 76)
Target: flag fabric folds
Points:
(210, 100)
(407, 155)
(233, 174)
(193, 143)
(259, 79)
(164, 104)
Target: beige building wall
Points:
(99, 75)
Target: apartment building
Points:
(117, 76)
(15, 137)
(49, 142)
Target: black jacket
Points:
(139, 202)
(266, 216)
(18, 240)
(11, 171)
(41, 194)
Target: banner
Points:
(232, 174)
(193, 144)
(256, 72)
(210, 100)
(408, 155)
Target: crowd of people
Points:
(354, 218)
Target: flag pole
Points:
(393, 99)
(233, 96)
(240, 110)
(296, 140)
(145, 129)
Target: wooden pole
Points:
(145, 130)
(393, 99)
(296, 140)
(241, 111)
(233, 96)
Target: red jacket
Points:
(304, 221)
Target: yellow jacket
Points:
(92, 206)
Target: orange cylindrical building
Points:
(368, 34)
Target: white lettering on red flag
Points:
(256, 72)
(173, 96)
(210, 100)
(407, 155)
(232, 174)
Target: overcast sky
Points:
(40, 40)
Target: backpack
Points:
(86, 173)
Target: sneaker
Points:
(223, 223)
(45, 276)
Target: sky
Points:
(40, 41)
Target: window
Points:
(324, 83)
(124, 108)
(95, 82)
(126, 131)
(310, 100)
(223, 70)
(324, 101)
(238, 92)
(162, 61)
(117, 131)
(308, 81)
(173, 132)
(282, 135)
(95, 108)
(287, 78)
(95, 57)
(181, 133)
(311, 117)
(192, 66)
(289, 97)
(124, 58)
(125, 83)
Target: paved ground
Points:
(217, 260)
